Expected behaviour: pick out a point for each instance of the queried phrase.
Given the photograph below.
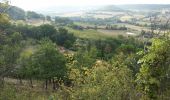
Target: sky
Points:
(38, 4)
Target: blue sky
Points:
(38, 4)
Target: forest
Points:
(54, 61)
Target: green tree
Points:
(64, 38)
(48, 18)
(62, 21)
(102, 82)
(46, 31)
(9, 54)
(86, 58)
(49, 62)
(25, 68)
(154, 68)
(4, 19)
(34, 15)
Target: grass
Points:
(126, 18)
(88, 33)
(84, 24)
(13, 92)
(134, 27)
(113, 33)
(97, 34)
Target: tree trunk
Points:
(50, 81)
(54, 86)
(1, 81)
(57, 85)
(46, 84)
(20, 81)
(31, 84)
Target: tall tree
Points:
(49, 62)
(154, 68)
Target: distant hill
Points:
(17, 13)
(144, 7)
(140, 7)
(110, 8)
(55, 10)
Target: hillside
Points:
(112, 52)
(17, 13)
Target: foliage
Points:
(103, 81)
(34, 15)
(154, 68)
(25, 69)
(8, 93)
(9, 53)
(61, 36)
(64, 38)
(61, 21)
(48, 18)
(115, 27)
(48, 62)
(87, 58)
(99, 67)
(16, 13)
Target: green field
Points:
(97, 34)
(92, 34)
(134, 27)
(113, 33)
(84, 24)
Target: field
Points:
(112, 33)
(84, 24)
(134, 27)
(126, 18)
(97, 34)
(89, 34)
